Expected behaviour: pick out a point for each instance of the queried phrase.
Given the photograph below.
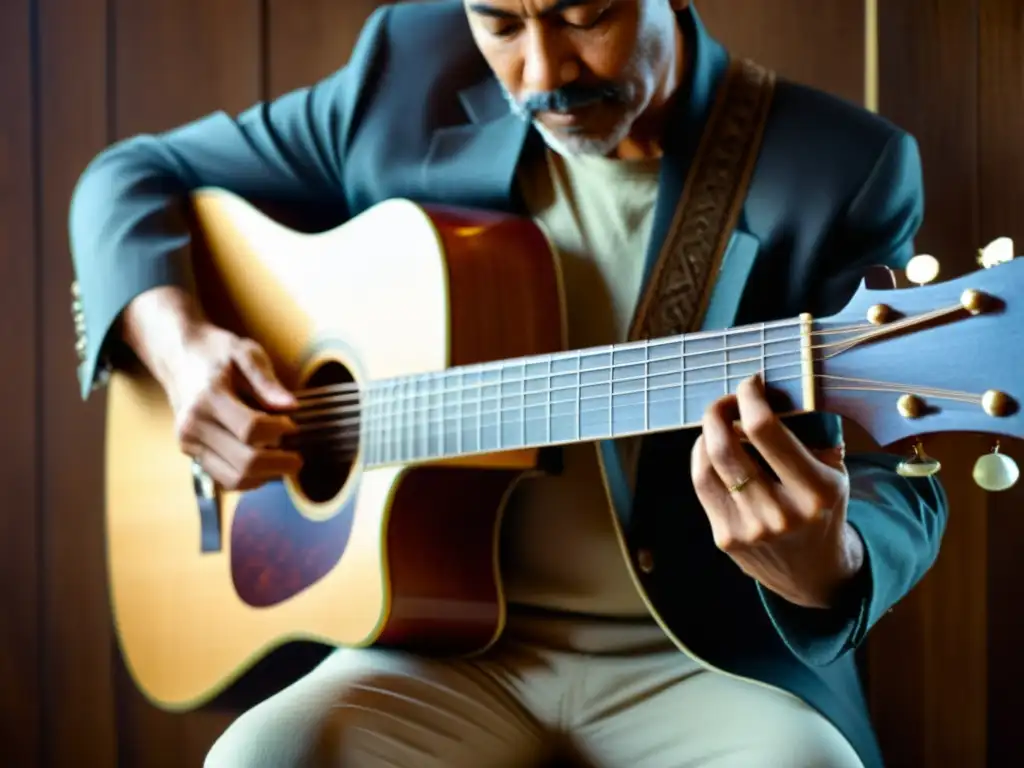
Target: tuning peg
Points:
(999, 251)
(996, 471)
(920, 464)
(922, 269)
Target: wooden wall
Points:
(76, 75)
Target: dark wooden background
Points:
(943, 668)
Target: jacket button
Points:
(645, 560)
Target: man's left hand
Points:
(789, 534)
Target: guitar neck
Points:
(617, 391)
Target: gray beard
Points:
(569, 146)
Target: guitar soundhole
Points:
(276, 550)
(330, 437)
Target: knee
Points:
(304, 726)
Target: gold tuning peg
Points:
(996, 471)
(920, 464)
(922, 269)
(999, 251)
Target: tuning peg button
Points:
(918, 465)
(922, 269)
(996, 471)
(999, 251)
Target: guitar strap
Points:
(680, 286)
(677, 294)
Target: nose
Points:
(547, 63)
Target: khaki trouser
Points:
(631, 701)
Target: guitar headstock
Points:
(943, 357)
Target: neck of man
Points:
(645, 139)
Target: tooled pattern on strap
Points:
(680, 286)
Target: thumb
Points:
(256, 367)
(834, 457)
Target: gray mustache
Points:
(572, 97)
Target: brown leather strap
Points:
(677, 294)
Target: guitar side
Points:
(397, 555)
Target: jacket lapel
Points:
(707, 62)
(475, 163)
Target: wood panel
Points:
(307, 41)
(1000, 211)
(824, 49)
(20, 726)
(174, 61)
(943, 673)
(77, 639)
(927, 660)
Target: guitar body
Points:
(345, 555)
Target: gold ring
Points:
(740, 485)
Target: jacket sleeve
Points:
(127, 225)
(901, 521)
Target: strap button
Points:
(645, 560)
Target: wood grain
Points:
(174, 61)
(943, 668)
(1001, 212)
(309, 40)
(177, 60)
(81, 718)
(823, 48)
(20, 567)
(927, 660)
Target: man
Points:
(584, 114)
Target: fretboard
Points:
(584, 395)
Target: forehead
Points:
(528, 8)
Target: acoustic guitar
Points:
(427, 347)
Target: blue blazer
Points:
(416, 113)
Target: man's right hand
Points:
(237, 444)
(229, 406)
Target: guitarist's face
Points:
(591, 74)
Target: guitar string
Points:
(317, 393)
(347, 441)
(345, 447)
(397, 397)
(354, 388)
(481, 407)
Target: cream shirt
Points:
(560, 547)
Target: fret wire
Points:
(397, 410)
(611, 391)
(547, 404)
(579, 398)
(396, 421)
(501, 407)
(422, 446)
(763, 344)
(725, 379)
(522, 408)
(408, 420)
(366, 401)
(388, 407)
(647, 386)
(382, 423)
(393, 419)
(682, 381)
(480, 414)
(458, 413)
(437, 394)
